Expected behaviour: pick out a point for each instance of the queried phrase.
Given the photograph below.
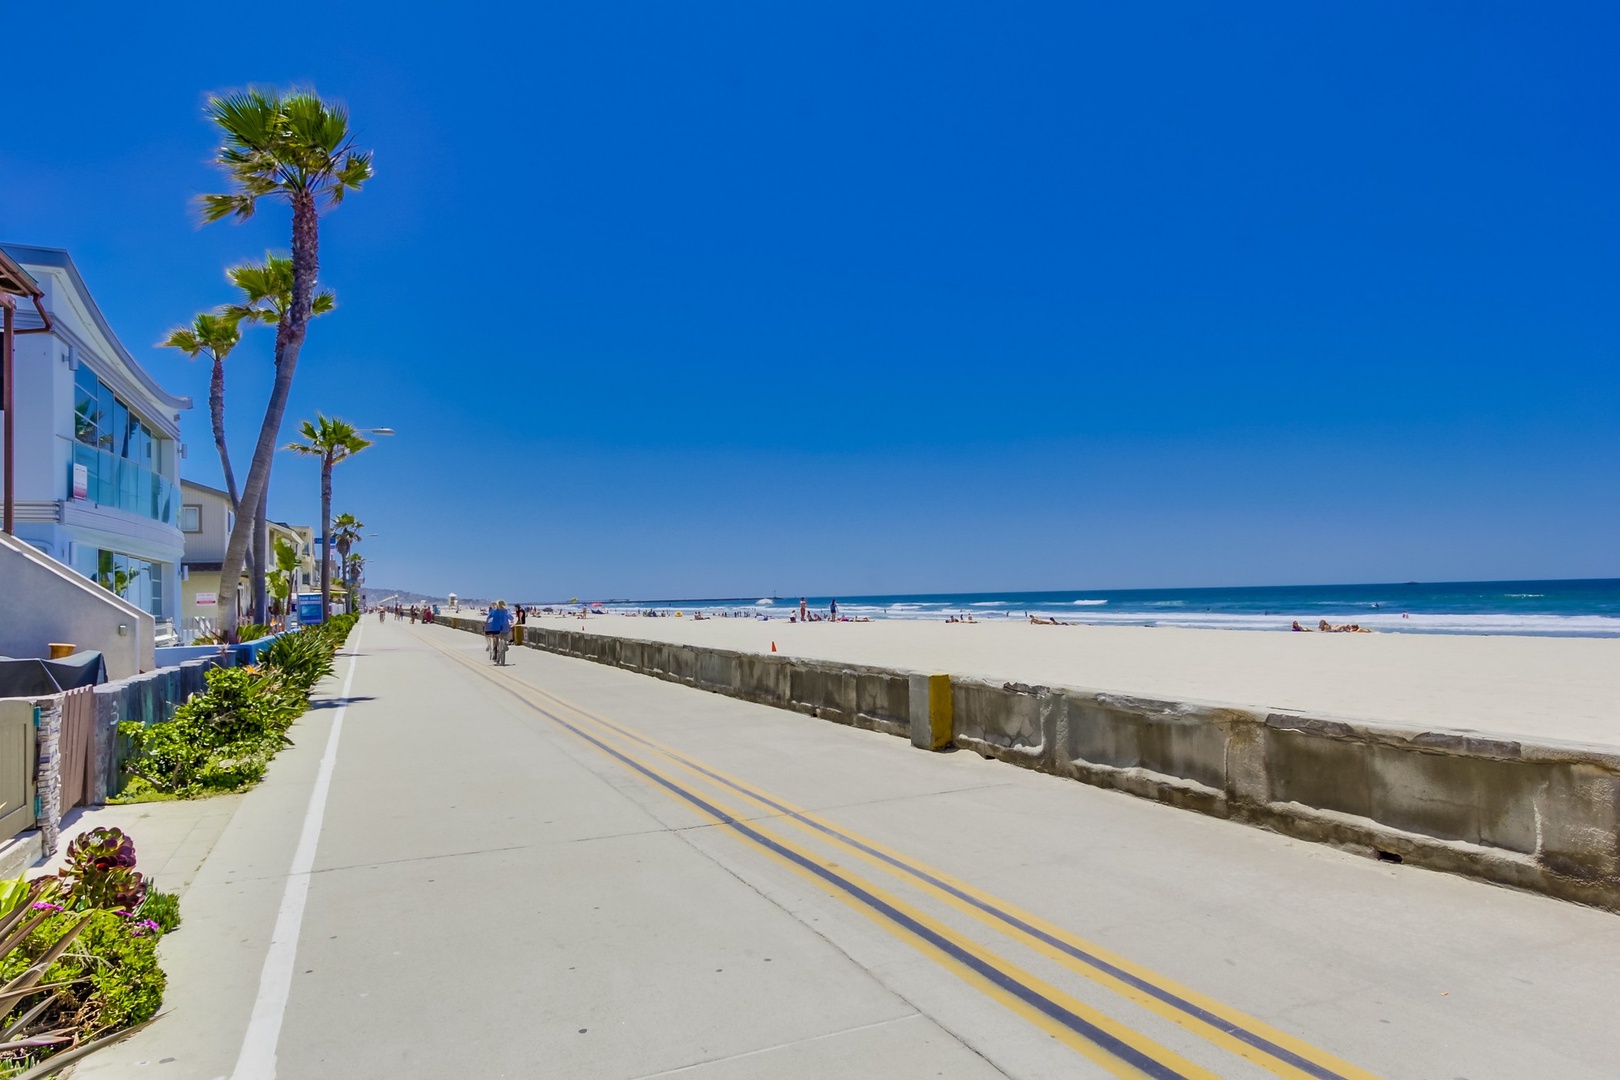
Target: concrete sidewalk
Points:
(172, 839)
(505, 887)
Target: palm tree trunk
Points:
(261, 560)
(326, 536)
(290, 333)
(343, 573)
(216, 413)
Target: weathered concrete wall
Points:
(42, 601)
(1544, 817)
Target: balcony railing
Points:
(119, 482)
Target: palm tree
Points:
(267, 292)
(353, 567)
(332, 440)
(345, 534)
(296, 148)
(213, 336)
(283, 583)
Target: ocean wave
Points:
(1089, 603)
(764, 603)
(988, 603)
(1524, 595)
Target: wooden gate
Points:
(17, 761)
(78, 747)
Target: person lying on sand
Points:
(1046, 622)
(1299, 629)
(1348, 628)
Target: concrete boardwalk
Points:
(557, 869)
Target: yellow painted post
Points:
(939, 711)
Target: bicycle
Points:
(497, 646)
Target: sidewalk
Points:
(171, 838)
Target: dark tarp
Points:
(36, 678)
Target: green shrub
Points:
(107, 977)
(224, 738)
(221, 739)
(304, 657)
(162, 908)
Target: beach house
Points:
(96, 446)
(206, 520)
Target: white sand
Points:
(1564, 690)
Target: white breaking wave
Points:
(1090, 603)
(764, 603)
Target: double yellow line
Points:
(1115, 1047)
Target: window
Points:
(191, 519)
(124, 457)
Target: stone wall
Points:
(1541, 817)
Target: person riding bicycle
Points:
(498, 626)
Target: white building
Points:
(97, 446)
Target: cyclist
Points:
(498, 630)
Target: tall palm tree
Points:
(345, 534)
(332, 440)
(296, 148)
(353, 567)
(267, 293)
(213, 336)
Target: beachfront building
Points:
(97, 446)
(206, 520)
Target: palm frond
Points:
(218, 207)
(280, 144)
(184, 339)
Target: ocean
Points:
(1588, 608)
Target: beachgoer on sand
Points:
(804, 611)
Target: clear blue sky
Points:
(730, 299)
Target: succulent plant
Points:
(100, 871)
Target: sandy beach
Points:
(1542, 689)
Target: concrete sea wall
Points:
(1539, 817)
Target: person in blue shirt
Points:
(497, 624)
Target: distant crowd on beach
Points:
(805, 614)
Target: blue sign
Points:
(309, 609)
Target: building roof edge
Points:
(59, 258)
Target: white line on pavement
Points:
(257, 1061)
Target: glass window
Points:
(191, 519)
(120, 429)
(86, 409)
(104, 412)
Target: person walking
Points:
(833, 608)
(804, 611)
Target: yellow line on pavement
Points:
(1113, 1046)
(1232, 1030)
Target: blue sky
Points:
(728, 299)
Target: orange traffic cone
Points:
(773, 646)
